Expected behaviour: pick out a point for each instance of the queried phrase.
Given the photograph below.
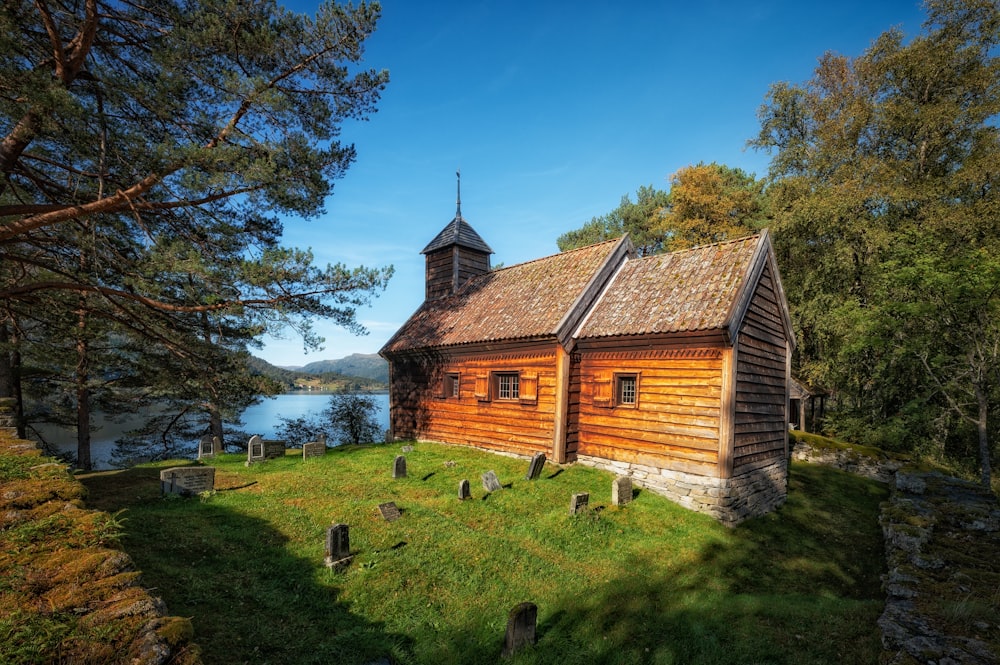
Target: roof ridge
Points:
(727, 241)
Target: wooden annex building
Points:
(672, 369)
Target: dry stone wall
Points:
(62, 571)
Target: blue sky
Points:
(552, 111)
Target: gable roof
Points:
(542, 298)
(458, 232)
(699, 289)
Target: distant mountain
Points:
(365, 365)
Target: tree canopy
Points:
(883, 185)
(148, 153)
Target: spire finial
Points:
(458, 211)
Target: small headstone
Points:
(313, 449)
(535, 468)
(490, 482)
(521, 624)
(389, 511)
(579, 502)
(450, 463)
(463, 490)
(273, 449)
(207, 446)
(255, 449)
(621, 490)
(407, 449)
(187, 480)
(338, 545)
(399, 467)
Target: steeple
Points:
(455, 255)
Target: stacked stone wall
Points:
(729, 500)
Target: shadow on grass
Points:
(249, 599)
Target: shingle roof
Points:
(685, 291)
(458, 232)
(527, 300)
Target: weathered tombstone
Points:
(399, 467)
(621, 490)
(273, 449)
(578, 502)
(313, 449)
(255, 449)
(535, 468)
(521, 624)
(187, 480)
(338, 546)
(463, 490)
(389, 511)
(490, 482)
(206, 446)
(407, 449)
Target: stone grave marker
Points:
(389, 511)
(578, 502)
(207, 446)
(535, 468)
(338, 546)
(399, 467)
(490, 482)
(407, 449)
(520, 633)
(621, 490)
(313, 449)
(273, 449)
(187, 480)
(255, 449)
(463, 490)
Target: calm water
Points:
(263, 419)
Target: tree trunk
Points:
(215, 426)
(82, 396)
(984, 439)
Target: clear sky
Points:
(552, 111)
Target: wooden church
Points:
(672, 369)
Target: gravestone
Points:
(399, 467)
(621, 490)
(521, 624)
(207, 446)
(273, 449)
(187, 480)
(255, 449)
(313, 449)
(535, 468)
(463, 490)
(578, 502)
(490, 482)
(389, 511)
(407, 449)
(338, 546)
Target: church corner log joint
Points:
(670, 369)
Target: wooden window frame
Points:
(513, 387)
(607, 390)
(452, 385)
(620, 381)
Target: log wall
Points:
(760, 433)
(675, 422)
(422, 410)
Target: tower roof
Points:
(458, 232)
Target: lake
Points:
(263, 419)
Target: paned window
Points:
(508, 386)
(626, 389)
(451, 385)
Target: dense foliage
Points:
(147, 152)
(887, 221)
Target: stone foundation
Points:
(729, 500)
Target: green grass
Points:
(647, 583)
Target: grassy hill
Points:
(649, 582)
(367, 365)
(326, 379)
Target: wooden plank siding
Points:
(522, 426)
(759, 429)
(675, 421)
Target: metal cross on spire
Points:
(458, 211)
